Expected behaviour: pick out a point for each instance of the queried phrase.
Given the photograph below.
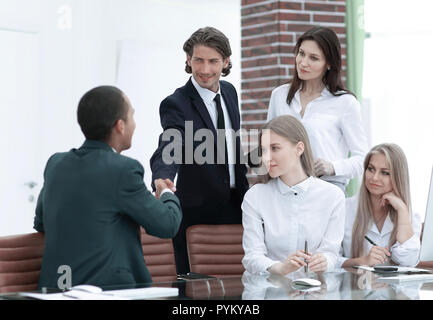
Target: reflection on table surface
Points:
(344, 284)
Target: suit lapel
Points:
(231, 108)
(199, 105)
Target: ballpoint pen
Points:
(371, 241)
(306, 252)
(374, 244)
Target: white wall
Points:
(397, 82)
(80, 47)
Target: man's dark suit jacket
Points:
(90, 209)
(198, 184)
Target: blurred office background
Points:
(397, 84)
(53, 51)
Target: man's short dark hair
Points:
(98, 111)
(212, 38)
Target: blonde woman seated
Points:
(383, 214)
(292, 207)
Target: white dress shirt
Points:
(278, 219)
(334, 126)
(208, 97)
(404, 254)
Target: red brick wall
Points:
(269, 32)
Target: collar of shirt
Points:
(206, 94)
(325, 93)
(387, 226)
(296, 189)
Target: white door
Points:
(20, 169)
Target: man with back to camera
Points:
(94, 200)
(210, 192)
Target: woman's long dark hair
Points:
(328, 41)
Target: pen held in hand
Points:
(371, 241)
(374, 244)
(306, 252)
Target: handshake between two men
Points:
(161, 184)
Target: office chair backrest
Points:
(20, 261)
(216, 250)
(159, 256)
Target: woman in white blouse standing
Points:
(291, 207)
(383, 214)
(329, 112)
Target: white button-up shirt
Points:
(208, 97)
(278, 219)
(404, 254)
(334, 126)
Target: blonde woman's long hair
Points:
(399, 174)
(292, 129)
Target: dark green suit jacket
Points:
(90, 209)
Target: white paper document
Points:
(365, 268)
(70, 295)
(144, 293)
(400, 269)
(127, 294)
(407, 278)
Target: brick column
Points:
(269, 32)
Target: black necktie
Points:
(220, 114)
(221, 125)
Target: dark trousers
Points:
(224, 213)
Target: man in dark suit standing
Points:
(211, 182)
(94, 200)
